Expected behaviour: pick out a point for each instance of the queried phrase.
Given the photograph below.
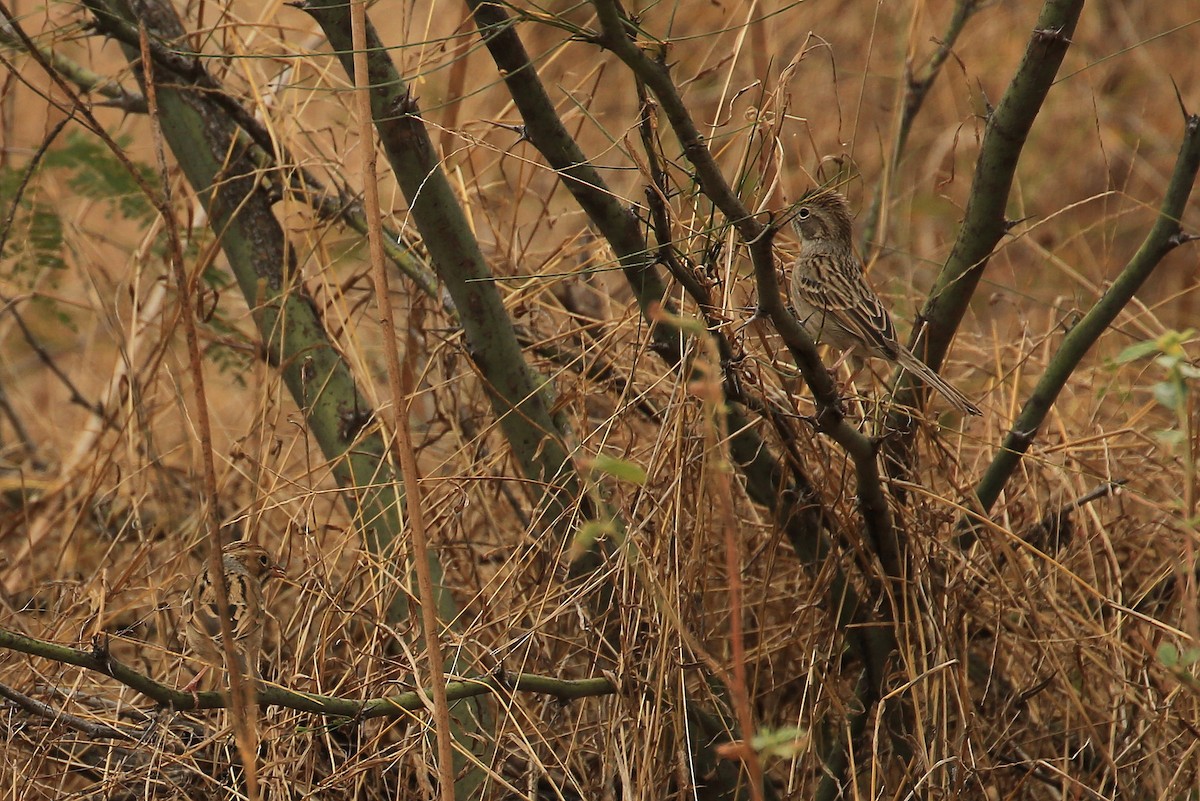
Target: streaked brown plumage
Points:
(246, 567)
(833, 300)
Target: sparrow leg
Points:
(836, 366)
(193, 684)
(849, 359)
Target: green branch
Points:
(99, 660)
(984, 222)
(1004, 138)
(759, 238)
(545, 131)
(516, 392)
(220, 167)
(1164, 236)
(877, 518)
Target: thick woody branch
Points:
(795, 504)
(220, 167)
(546, 132)
(271, 155)
(759, 237)
(99, 660)
(1004, 139)
(615, 36)
(984, 223)
(515, 391)
(1163, 237)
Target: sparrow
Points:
(246, 567)
(833, 300)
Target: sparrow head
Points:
(254, 558)
(822, 215)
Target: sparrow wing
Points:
(849, 302)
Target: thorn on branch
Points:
(828, 417)
(501, 676)
(760, 313)
(1011, 224)
(101, 652)
(988, 108)
(877, 442)
(1023, 439)
(809, 419)
(405, 105)
(520, 130)
(1070, 320)
(634, 217)
(1050, 35)
(351, 422)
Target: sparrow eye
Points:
(264, 560)
(803, 214)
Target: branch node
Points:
(1011, 224)
(501, 676)
(1050, 35)
(100, 651)
(1023, 438)
(828, 416)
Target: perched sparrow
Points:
(833, 300)
(246, 567)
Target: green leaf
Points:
(97, 173)
(1170, 438)
(1170, 394)
(1168, 655)
(1170, 344)
(587, 535)
(45, 237)
(620, 469)
(1137, 351)
(1168, 362)
(35, 239)
(784, 743)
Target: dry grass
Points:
(1026, 672)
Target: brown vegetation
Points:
(1039, 644)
